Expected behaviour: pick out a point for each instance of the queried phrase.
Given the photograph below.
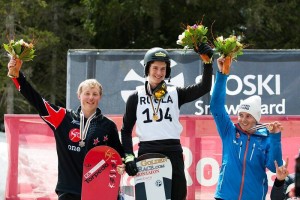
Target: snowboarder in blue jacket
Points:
(248, 147)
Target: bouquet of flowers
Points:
(192, 37)
(229, 48)
(21, 51)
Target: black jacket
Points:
(65, 124)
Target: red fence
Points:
(32, 164)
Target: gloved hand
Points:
(130, 162)
(205, 51)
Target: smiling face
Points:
(157, 73)
(89, 94)
(246, 121)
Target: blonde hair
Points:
(92, 83)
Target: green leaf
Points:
(193, 36)
(7, 48)
(229, 46)
(17, 48)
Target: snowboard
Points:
(100, 179)
(154, 178)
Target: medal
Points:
(155, 117)
(81, 143)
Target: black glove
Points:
(204, 48)
(130, 162)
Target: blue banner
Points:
(272, 74)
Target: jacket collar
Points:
(262, 132)
(98, 112)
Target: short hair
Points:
(90, 83)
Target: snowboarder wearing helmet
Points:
(155, 110)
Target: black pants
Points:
(179, 185)
(68, 196)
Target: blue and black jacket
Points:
(245, 157)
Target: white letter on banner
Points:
(198, 105)
(239, 85)
(282, 106)
(277, 84)
(264, 84)
(188, 159)
(251, 85)
(214, 171)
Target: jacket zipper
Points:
(244, 168)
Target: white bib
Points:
(167, 126)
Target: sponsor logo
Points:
(158, 183)
(74, 135)
(153, 161)
(146, 173)
(109, 155)
(95, 171)
(245, 107)
(74, 148)
(160, 54)
(151, 167)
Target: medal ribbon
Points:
(84, 128)
(154, 110)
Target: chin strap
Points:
(148, 89)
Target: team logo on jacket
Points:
(74, 135)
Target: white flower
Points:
(220, 38)
(180, 37)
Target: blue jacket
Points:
(244, 157)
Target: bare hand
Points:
(282, 172)
(220, 62)
(121, 169)
(275, 127)
(14, 62)
(14, 67)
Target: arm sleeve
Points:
(129, 120)
(195, 91)
(217, 106)
(50, 113)
(275, 152)
(32, 96)
(277, 192)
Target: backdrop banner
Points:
(272, 74)
(32, 159)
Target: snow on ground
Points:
(37, 170)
